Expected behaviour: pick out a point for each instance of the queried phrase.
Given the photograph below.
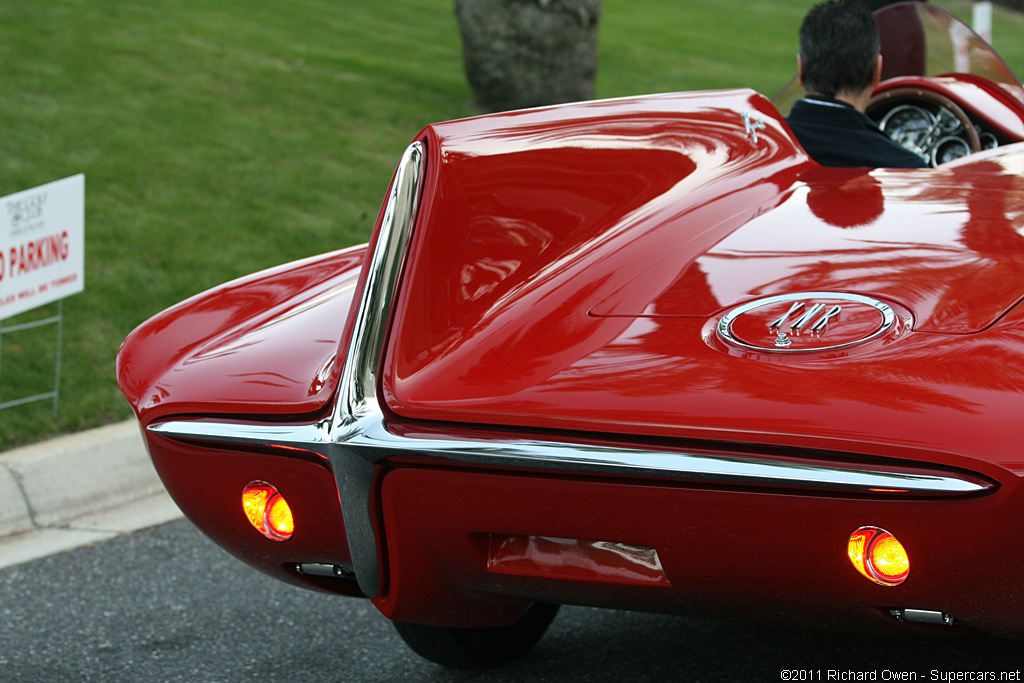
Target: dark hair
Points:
(838, 47)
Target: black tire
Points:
(478, 648)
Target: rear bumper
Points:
(461, 543)
(466, 530)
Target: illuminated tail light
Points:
(877, 554)
(267, 511)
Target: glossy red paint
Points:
(585, 301)
(727, 554)
(266, 343)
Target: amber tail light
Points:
(267, 511)
(877, 554)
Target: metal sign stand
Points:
(57, 320)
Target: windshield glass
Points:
(919, 39)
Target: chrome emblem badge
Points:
(752, 125)
(806, 322)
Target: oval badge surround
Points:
(806, 322)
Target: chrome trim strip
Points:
(312, 437)
(357, 394)
(367, 442)
(358, 382)
(373, 436)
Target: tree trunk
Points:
(527, 53)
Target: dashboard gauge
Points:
(948, 149)
(948, 122)
(988, 141)
(910, 127)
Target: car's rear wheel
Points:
(478, 648)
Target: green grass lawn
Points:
(219, 137)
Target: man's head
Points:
(838, 48)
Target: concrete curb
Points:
(48, 484)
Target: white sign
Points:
(981, 20)
(42, 245)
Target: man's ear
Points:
(878, 73)
(799, 69)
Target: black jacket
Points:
(834, 133)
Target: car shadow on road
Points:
(605, 645)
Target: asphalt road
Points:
(166, 605)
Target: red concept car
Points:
(640, 353)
